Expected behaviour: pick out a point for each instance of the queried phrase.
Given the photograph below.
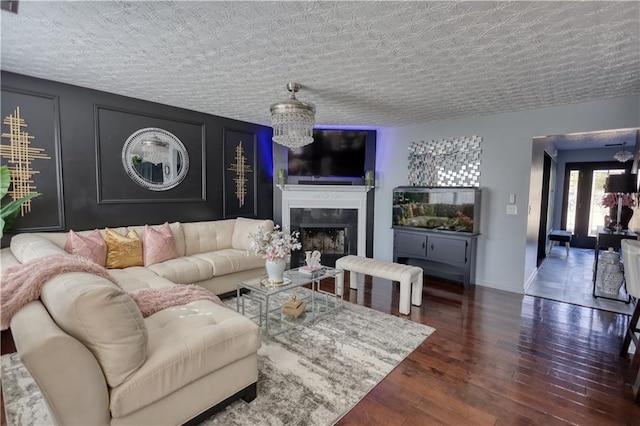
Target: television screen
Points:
(339, 153)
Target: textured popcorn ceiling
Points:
(362, 63)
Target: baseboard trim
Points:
(529, 280)
(500, 287)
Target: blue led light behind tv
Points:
(333, 153)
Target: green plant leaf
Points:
(9, 209)
(9, 212)
(5, 181)
(10, 220)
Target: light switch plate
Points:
(512, 209)
(512, 198)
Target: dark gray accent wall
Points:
(92, 168)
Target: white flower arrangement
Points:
(274, 245)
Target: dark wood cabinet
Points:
(444, 254)
(409, 244)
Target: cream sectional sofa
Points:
(212, 254)
(97, 361)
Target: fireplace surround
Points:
(330, 218)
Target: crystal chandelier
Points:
(293, 120)
(624, 155)
(155, 150)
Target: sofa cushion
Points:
(158, 244)
(138, 277)
(123, 250)
(26, 247)
(201, 237)
(231, 260)
(184, 270)
(240, 239)
(92, 246)
(103, 317)
(185, 343)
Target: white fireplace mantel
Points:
(328, 197)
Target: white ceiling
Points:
(362, 63)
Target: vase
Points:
(610, 274)
(275, 270)
(625, 215)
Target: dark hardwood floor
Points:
(497, 358)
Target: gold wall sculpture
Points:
(20, 155)
(241, 168)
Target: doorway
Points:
(583, 190)
(592, 156)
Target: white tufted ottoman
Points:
(410, 277)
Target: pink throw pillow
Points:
(92, 246)
(158, 244)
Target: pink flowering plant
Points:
(611, 200)
(274, 245)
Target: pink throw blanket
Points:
(21, 284)
(152, 300)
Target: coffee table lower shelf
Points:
(265, 302)
(275, 322)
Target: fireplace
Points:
(333, 232)
(330, 219)
(334, 240)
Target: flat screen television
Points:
(333, 153)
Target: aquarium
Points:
(449, 209)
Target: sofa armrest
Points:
(28, 246)
(67, 373)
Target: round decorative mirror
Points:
(155, 159)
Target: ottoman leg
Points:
(405, 297)
(339, 283)
(355, 279)
(416, 290)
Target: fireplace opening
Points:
(333, 240)
(333, 232)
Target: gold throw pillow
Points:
(123, 251)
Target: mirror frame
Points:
(136, 138)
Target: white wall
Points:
(505, 258)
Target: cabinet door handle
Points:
(423, 245)
(431, 246)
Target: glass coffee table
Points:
(262, 301)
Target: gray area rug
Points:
(310, 375)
